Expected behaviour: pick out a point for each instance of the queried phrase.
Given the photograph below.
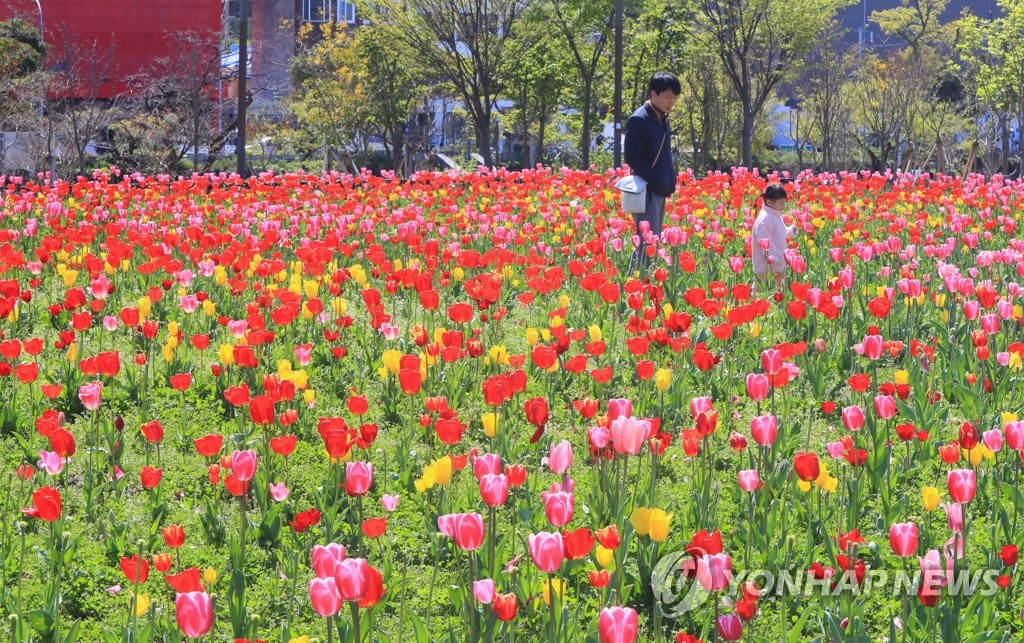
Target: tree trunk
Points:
(747, 140)
(588, 88)
(542, 125)
(1004, 152)
(482, 127)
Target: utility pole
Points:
(243, 55)
(617, 125)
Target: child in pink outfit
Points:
(768, 237)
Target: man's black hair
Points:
(774, 191)
(663, 81)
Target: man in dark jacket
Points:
(648, 152)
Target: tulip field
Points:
(353, 409)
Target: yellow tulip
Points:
(803, 485)
(594, 332)
(309, 396)
(490, 421)
(391, 359)
(659, 524)
(532, 336)
(209, 575)
(145, 306)
(311, 288)
(458, 274)
(209, 308)
(226, 354)
(141, 604)
(755, 330)
(663, 379)
(299, 639)
(559, 586)
(641, 520)
(1007, 417)
(901, 377)
(69, 277)
(563, 301)
(498, 354)
(604, 556)
(443, 470)
(340, 306)
(929, 498)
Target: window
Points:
(346, 12)
(316, 10)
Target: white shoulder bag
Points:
(634, 188)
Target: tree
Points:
(823, 91)
(761, 43)
(585, 26)
(330, 96)
(470, 42)
(993, 51)
(882, 98)
(536, 84)
(22, 53)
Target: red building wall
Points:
(135, 33)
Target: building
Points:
(275, 25)
(856, 19)
(133, 36)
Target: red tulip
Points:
(209, 445)
(617, 625)
(46, 504)
(609, 537)
(578, 543)
(283, 445)
(505, 606)
(153, 431)
(261, 410)
(181, 381)
(807, 466)
(150, 476)
(136, 570)
(174, 536)
(375, 527)
(194, 613)
(357, 404)
(961, 484)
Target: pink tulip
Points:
(546, 551)
(561, 457)
(243, 464)
(993, 440)
(483, 591)
(51, 462)
(990, 323)
(494, 489)
(714, 571)
(194, 613)
(352, 577)
(764, 429)
(323, 594)
(853, 417)
(90, 395)
(730, 627)
(736, 264)
(358, 478)
(617, 625)
(961, 484)
(835, 449)
(873, 346)
(954, 516)
(1014, 432)
(757, 386)
(389, 503)
(885, 406)
(619, 407)
(278, 492)
(903, 538)
(559, 507)
(771, 361)
(467, 529)
(700, 405)
(749, 479)
(935, 573)
(629, 434)
(599, 436)
(325, 559)
(486, 463)
(971, 310)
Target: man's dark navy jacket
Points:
(644, 133)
